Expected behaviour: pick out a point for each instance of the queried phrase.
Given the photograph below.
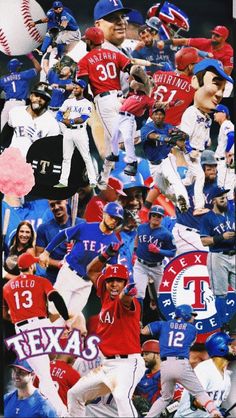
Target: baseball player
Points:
(32, 122)
(16, 85)
(26, 401)
(209, 81)
(173, 88)
(134, 20)
(74, 113)
(175, 338)
(225, 144)
(213, 375)
(153, 242)
(90, 239)
(217, 230)
(25, 297)
(134, 106)
(122, 365)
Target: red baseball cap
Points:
(26, 260)
(117, 185)
(222, 31)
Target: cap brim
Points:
(20, 367)
(117, 190)
(122, 9)
(221, 194)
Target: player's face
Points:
(150, 359)
(114, 286)
(221, 203)
(216, 39)
(208, 96)
(77, 90)
(210, 172)
(133, 200)
(114, 27)
(65, 71)
(37, 103)
(58, 208)
(147, 38)
(24, 234)
(110, 222)
(158, 118)
(58, 10)
(219, 117)
(155, 220)
(20, 377)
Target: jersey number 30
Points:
(106, 71)
(175, 339)
(24, 299)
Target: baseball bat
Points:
(153, 297)
(5, 224)
(146, 63)
(74, 208)
(229, 409)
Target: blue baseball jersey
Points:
(154, 54)
(187, 218)
(72, 24)
(216, 224)
(161, 237)
(149, 386)
(90, 241)
(33, 211)
(155, 150)
(175, 337)
(35, 406)
(58, 95)
(45, 233)
(127, 249)
(16, 84)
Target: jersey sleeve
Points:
(205, 227)
(154, 327)
(72, 376)
(187, 124)
(47, 410)
(64, 106)
(82, 67)
(87, 108)
(41, 240)
(47, 285)
(123, 61)
(28, 74)
(200, 43)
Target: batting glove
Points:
(153, 248)
(69, 246)
(111, 250)
(130, 290)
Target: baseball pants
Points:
(76, 138)
(195, 171)
(41, 364)
(221, 269)
(187, 239)
(74, 290)
(141, 275)
(172, 371)
(9, 104)
(125, 128)
(226, 178)
(67, 36)
(118, 376)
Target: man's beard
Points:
(37, 108)
(222, 209)
(215, 43)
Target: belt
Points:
(191, 229)
(220, 158)
(231, 252)
(13, 100)
(146, 263)
(156, 162)
(199, 150)
(26, 321)
(125, 113)
(53, 108)
(107, 93)
(117, 356)
(75, 127)
(176, 358)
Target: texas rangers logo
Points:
(186, 281)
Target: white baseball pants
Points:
(187, 239)
(195, 171)
(141, 275)
(125, 128)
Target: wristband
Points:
(217, 239)
(37, 22)
(168, 42)
(72, 121)
(103, 259)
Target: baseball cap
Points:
(106, 7)
(222, 108)
(218, 192)
(117, 185)
(158, 109)
(134, 16)
(81, 83)
(57, 4)
(217, 65)
(221, 30)
(22, 364)
(26, 260)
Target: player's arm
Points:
(52, 262)
(174, 42)
(35, 62)
(127, 295)
(154, 136)
(217, 239)
(38, 22)
(152, 328)
(5, 311)
(96, 266)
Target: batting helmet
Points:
(217, 344)
(13, 64)
(42, 90)
(95, 35)
(117, 271)
(184, 312)
(154, 23)
(156, 210)
(152, 346)
(114, 209)
(208, 157)
(222, 31)
(186, 56)
(130, 181)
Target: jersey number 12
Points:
(175, 339)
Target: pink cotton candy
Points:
(16, 176)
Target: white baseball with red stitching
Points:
(16, 37)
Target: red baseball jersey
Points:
(118, 327)
(176, 90)
(63, 376)
(103, 68)
(94, 209)
(26, 296)
(224, 54)
(137, 104)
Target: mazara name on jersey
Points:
(186, 278)
(100, 56)
(172, 80)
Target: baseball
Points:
(16, 37)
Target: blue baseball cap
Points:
(13, 64)
(134, 16)
(222, 108)
(22, 364)
(218, 192)
(106, 7)
(57, 4)
(217, 65)
(81, 83)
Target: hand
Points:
(229, 234)
(30, 56)
(216, 414)
(66, 122)
(130, 290)
(69, 246)
(153, 248)
(60, 264)
(44, 259)
(112, 249)
(160, 44)
(31, 24)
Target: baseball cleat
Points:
(112, 157)
(131, 169)
(59, 186)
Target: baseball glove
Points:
(66, 114)
(142, 405)
(177, 135)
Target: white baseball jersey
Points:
(216, 385)
(84, 366)
(77, 108)
(226, 127)
(129, 45)
(28, 130)
(197, 125)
